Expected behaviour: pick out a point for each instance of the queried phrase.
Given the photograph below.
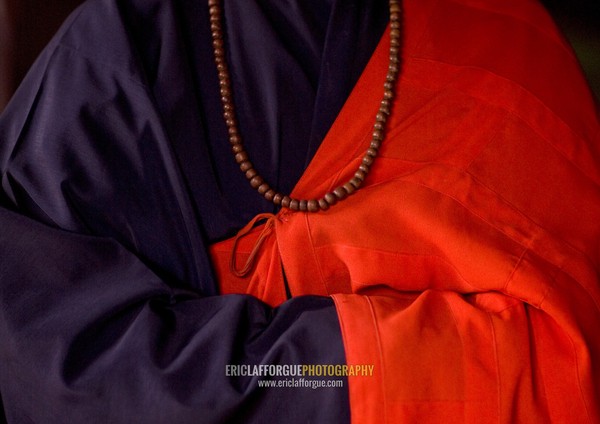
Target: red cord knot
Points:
(269, 219)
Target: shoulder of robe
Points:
(515, 40)
(126, 36)
(510, 54)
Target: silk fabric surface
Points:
(117, 176)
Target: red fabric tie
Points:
(266, 231)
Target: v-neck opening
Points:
(334, 45)
(352, 127)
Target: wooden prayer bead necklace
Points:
(240, 154)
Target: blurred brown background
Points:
(580, 22)
(25, 28)
(27, 25)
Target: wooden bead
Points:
(388, 94)
(375, 144)
(225, 92)
(367, 160)
(241, 157)
(330, 198)
(263, 188)
(251, 173)
(294, 205)
(244, 166)
(360, 175)
(237, 148)
(349, 188)
(303, 205)
(371, 152)
(378, 135)
(340, 193)
(381, 117)
(323, 204)
(312, 205)
(378, 126)
(364, 168)
(225, 99)
(235, 139)
(356, 182)
(219, 60)
(219, 53)
(277, 198)
(256, 181)
(269, 195)
(285, 201)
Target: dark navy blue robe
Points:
(116, 177)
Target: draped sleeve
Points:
(482, 215)
(108, 307)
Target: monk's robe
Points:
(465, 269)
(116, 176)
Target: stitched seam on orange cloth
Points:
(381, 358)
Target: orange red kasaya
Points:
(466, 267)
